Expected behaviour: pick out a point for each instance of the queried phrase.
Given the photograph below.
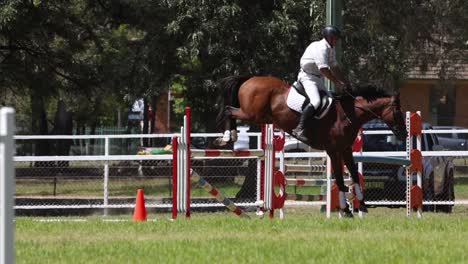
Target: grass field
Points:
(305, 236)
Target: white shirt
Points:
(318, 55)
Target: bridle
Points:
(394, 103)
(397, 114)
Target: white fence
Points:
(110, 181)
(108, 170)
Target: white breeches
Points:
(312, 84)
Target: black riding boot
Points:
(307, 113)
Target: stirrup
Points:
(299, 134)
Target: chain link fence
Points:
(107, 180)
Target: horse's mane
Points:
(370, 92)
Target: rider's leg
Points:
(311, 86)
(307, 113)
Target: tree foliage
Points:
(385, 38)
(241, 37)
(99, 55)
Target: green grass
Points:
(305, 236)
(461, 188)
(91, 186)
(160, 187)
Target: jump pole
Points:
(174, 177)
(195, 178)
(414, 192)
(187, 156)
(182, 174)
(309, 182)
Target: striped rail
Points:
(304, 168)
(200, 181)
(305, 197)
(227, 153)
(309, 182)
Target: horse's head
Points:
(394, 118)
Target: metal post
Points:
(7, 186)
(106, 177)
(187, 132)
(419, 173)
(408, 171)
(329, 184)
(174, 177)
(334, 17)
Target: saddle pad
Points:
(295, 101)
(325, 106)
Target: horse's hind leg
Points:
(230, 126)
(238, 113)
(353, 170)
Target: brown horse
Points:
(261, 100)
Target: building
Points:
(441, 102)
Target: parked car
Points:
(388, 182)
(454, 140)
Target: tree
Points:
(383, 39)
(83, 50)
(240, 37)
(95, 53)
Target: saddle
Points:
(297, 99)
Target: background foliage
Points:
(98, 56)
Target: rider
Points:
(317, 61)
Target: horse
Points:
(260, 100)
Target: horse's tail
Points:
(229, 87)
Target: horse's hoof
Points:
(348, 213)
(219, 142)
(226, 136)
(233, 135)
(363, 208)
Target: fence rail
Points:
(115, 178)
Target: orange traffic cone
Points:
(139, 214)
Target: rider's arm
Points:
(328, 73)
(338, 74)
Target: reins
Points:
(365, 109)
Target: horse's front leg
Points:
(353, 170)
(337, 166)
